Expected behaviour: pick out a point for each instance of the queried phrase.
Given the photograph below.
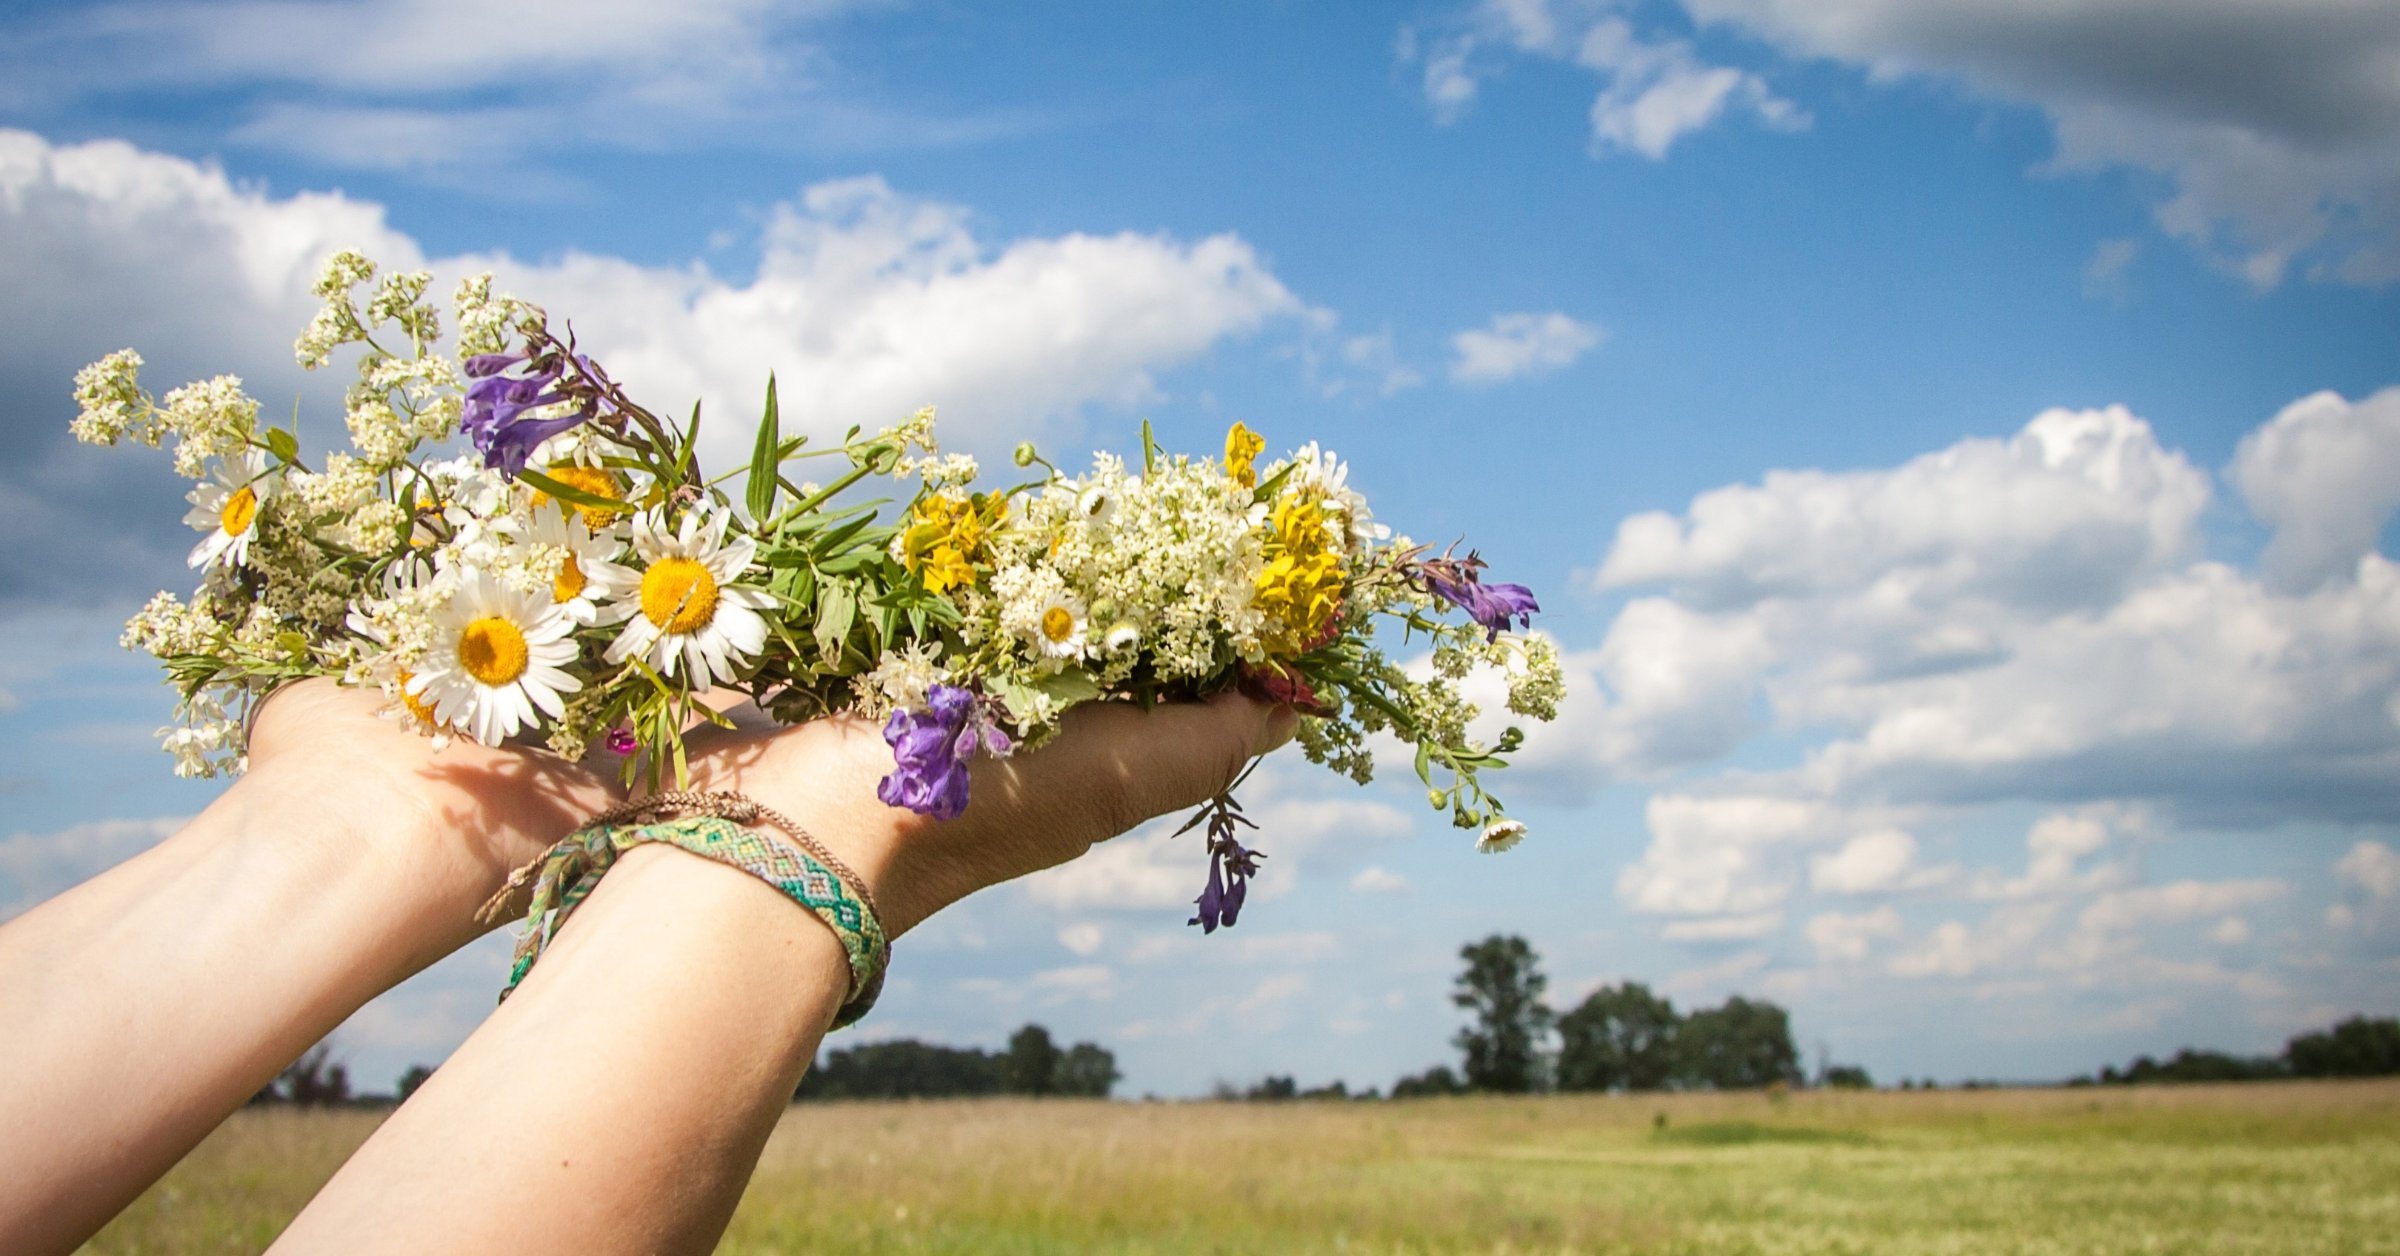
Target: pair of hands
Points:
(469, 815)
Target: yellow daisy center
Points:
(492, 650)
(568, 584)
(416, 706)
(597, 481)
(239, 511)
(679, 595)
(1058, 624)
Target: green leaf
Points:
(284, 445)
(567, 492)
(1266, 490)
(1149, 449)
(837, 609)
(761, 497)
(1022, 702)
(1068, 687)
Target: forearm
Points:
(146, 1004)
(619, 1100)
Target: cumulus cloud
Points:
(1870, 863)
(866, 302)
(2277, 124)
(1840, 937)
(1515, 346)
(1654, 89)
(35, 866)
(2372, 867)
(1377, 879)
(1723, 928)
(2324, 473)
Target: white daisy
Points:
(686, 605)
(1063, 628)
(496, 656)
(588, 573)
(1121, 635)
(1499, 835)
(227, 509)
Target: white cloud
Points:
(1653, 90)
(2057, 845)
(432, 86)
(2372, 867)
(2231, 931)
(1083, 937)
(36, 866)
(2324, 473)
(1867, 864)
(2013, 619)
(1150, 868)
(1377, 879)
(2104, 275)
(1839, 937)
(1717, 976)
(2173, 902)
(1722, 928)
(2278, 124)
(866, 303)
(1515, 346)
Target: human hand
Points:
(466, 814)
(1111, 767)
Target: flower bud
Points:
(1438, 798)
(1025, 453)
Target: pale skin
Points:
(618, 1101)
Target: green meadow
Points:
(2304, 1167)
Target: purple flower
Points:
(494, 416)
(930, 750)
(1460, 583)
(1230, 868)
(622, 741)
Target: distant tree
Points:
(1435, 1081)
(1087, 1070)
(1273, 1089)
(1742, 1045)
(903, 1069)
(1502, 986)
(2357, 1047)
(1846, 1077)
(1032, 1061)
(1336, 1089)
(314, 1080)
(1621, 1038)
(409, 1081)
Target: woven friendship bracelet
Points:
(566, 875)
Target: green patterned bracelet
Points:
(566, 875)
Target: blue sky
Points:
(1952, 443)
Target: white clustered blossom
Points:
(941, 471)
(336, 322)
(1174, 547)
(111, 405)
(484, 321)
(211, 419)
(900, 680)
(209, 741)
(1537, 684)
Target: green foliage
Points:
(2357, 1047)
(1430, 1084)
(1031, 1064)
(908, 1069)
(1846, 1077)
(1502, 986)
(1742, 1045)
(417, 1075)
(1621, 1037)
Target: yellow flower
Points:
(1242, 448)
(946, 535)
(1300, 587)
(598, 481)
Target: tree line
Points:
(1031, 1064)
(2357, 1047)
(1620, 1037)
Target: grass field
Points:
(2280, 1168)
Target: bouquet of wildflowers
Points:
(575, 575)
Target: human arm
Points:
(146, 1004)
(618, 1101)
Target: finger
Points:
(1128, 764)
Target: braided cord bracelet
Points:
(712, 826)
